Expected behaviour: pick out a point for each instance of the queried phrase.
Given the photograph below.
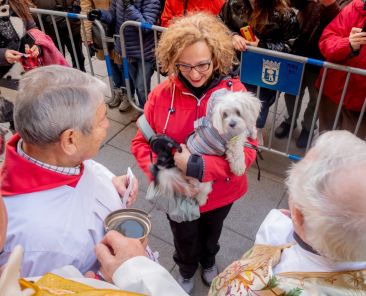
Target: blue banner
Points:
(271, 72)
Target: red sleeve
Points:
(217, 6)
(166, 16)
(334, 43)
(140, 148)
(217, 167)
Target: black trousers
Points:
(66, 41)
(198, 241)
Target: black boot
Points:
(302, 140)
(283, 130)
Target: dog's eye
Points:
(224, 115)
(238, 112)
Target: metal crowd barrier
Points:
(73, 16)
(291, 81)
(140, 26)
(257, 56)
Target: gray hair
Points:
(53, 99)
(328, 187)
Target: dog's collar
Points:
(234, 139)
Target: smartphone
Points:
(364, 26)
(29, 39)
(247, 33)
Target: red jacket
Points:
(227, 187)
(335, 47)
(174, 8)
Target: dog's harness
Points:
(206, 139)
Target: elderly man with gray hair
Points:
(318, 247)
(56, 197)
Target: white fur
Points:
(234, 113)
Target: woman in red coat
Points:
(343, 42)
(197, 51)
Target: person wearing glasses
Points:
(197, 52)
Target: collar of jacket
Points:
(20, 176)
(183, 84)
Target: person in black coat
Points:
(274, 26)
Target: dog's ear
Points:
(216, 119)
(250, 105)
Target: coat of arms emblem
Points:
(270, 72)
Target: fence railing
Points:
(278, 81)
(67, 16)
(286, 84)
(260, 58)
(140, 27)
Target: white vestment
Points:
(277, 229)
(61, 226)
(142, 275)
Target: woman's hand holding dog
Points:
(181, 158)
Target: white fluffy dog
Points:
(229, 121)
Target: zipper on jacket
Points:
(197, 99)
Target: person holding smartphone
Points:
(343, 42)
(10, 39)
(15, 20)
(274, 26)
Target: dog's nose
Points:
(232, 123)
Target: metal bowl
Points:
(122, 220)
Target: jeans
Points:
(267, 97)
(117, 75)
(66, 41)
(137, 78)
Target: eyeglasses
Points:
(203, 67)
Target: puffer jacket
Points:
(334, 45)
(174, 8)
(227, 187)
(278, 34)
(87, 5)
(146, 11)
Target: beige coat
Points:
(87, 5)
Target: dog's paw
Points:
(204, 189)
(201, 199)
(253, 133)
(238, 168)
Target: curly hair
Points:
(185, 31)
